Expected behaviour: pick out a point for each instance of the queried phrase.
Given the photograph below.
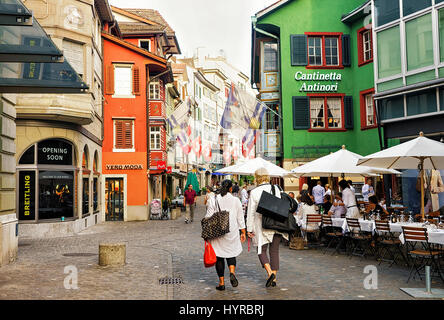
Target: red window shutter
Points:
(119, 134)
(136, 80)
(109, 80)
(128, 134)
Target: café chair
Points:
(331, 233)
(361, 241)
(312, 226)
(415, 237)
(387, 243)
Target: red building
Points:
(134, 147)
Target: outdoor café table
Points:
(366, 225)
(434, 235)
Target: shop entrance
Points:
(114, 194)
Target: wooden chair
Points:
(359, 239)
(331, 233)
(386, 241)
(412, 237)
(312, 219)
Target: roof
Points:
(152, 15)
(137, 27)
(268, 10)
(357, 13)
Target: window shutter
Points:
(346, 50)
(128, 134)
(109, 80)
(256, 69)
(301, 113)
(136, 80)
(298, 45)
(119, 134)
(348, 112)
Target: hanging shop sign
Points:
(169, 169)
(54, 152)
(26, 195)
(124, 167)
(161, 165)
(315, 82)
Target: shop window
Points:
(326, 113)
(155, 135)
(365, 45)
(412, 6)
(389, 52)
(95, 193)
(368, 111)
(324, 50)
(85, 196)
(270, 56)
(28, 156)
(124, 135)
(420, 103)
(386, 11)
(419, 42)
(154, 90)
(56, 194)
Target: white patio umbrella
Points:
(339, 164)
(420, 153)
(249, 167)
(227, 169)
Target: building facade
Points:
(312, 64)
(59, 136)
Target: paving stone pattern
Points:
(159, 249)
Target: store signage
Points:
(26, 195)
(54, 152)
(333, 78)
(161, 165)
(124, 167)
(169, 169)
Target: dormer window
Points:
(145, 44)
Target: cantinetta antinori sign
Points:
(318, 78)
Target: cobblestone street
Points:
(157, 249)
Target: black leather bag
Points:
(288, 226)
(273, 207)
(217, 225)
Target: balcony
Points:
(74, 108)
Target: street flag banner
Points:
(231, 110)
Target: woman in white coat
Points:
(229, 246)
(264, 238)
(349, 200)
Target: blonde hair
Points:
(261, 175)
(305, 186)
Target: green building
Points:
(312, 61)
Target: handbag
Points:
(209, 255)
(272, 206)
(289, 225)
(217, 225)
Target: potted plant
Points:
(204, 191)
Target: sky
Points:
(208, 25)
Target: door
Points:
(114, 194)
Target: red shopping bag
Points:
(209, 255)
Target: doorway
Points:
(114, 199)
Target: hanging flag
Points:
(186, 149)
(189, 130)
(207, 153)
(197, 146)
(227, 156)
(228, 116)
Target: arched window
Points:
(85, 181)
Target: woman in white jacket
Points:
(264, 238)
(229, 246)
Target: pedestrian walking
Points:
(229, 246)
(264, 239)
(209, 196)
(244, 198)
(190, 196)
(236, 190)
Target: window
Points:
(271, 118)
(389, 52)
(423, 102)
(365, 45)
(73, 52)
(392, 108)
(324, 50)
(155, 138)
(411, 6)
(145, 44)
(270, 56)
(441, 34)
(326, 112)
(386, 11)
(122, 80)
(85, 196)
(154, 91)
(368, 114)
(419, 42)
(123, 135)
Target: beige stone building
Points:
(59, 136)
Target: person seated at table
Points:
(305, 208)
(373, 206)
(383, 204)
(433, 214)
(338, 210)
(327, 203)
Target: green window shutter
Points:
(301, 113)
(298, 45)
(346, 50)
(348, 112)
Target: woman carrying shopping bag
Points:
(228, 246)
(264, 238)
